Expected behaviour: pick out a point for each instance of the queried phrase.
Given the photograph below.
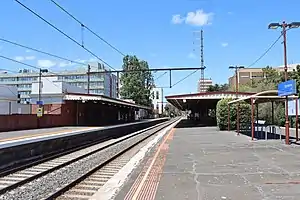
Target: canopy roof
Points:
(263, 97)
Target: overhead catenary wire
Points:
(185, 77)
(160, 76)
(22, 63)
(28, 65)
(7, 70)
(43, 52)
(259, 58)
(87, 28)
(265, 53)
(63, 33)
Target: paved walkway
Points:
(202, 163)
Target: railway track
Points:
(92, 165)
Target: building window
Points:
(157, 107)
(157, 95)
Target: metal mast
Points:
(201, 63)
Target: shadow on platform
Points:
(261, 135)
(186, 123)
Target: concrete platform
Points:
(202, 163)
(12, 136)
(16, 135)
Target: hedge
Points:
(222, 115)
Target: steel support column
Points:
(252, 118)
(297, 138)
(228, 117)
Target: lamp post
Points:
(236, 92)
(40, 93)
(40, 84)
(284, 27)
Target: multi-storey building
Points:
(100, 83)
(202, 87)
(157, 100)
(248, 75)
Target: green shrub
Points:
(222, 115)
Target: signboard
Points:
(287, 88)
(39, 112)
(292, 107)
(39, 102)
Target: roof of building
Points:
(95, 67)
(186, 101)
(97, 97)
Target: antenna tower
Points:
(202, 62)
(201, 81)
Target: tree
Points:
(222, 115)
(136, 85)
(295, 74)
(272, 78)
(171, 110)
(218, 88)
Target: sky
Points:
(160, 32)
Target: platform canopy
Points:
(207, 99)
(263, 97)
(103, 99)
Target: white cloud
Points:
(28, 51)
(80, 60)
(66, 64)
(29, 57)
(92, 60)
(45, 63)
(22, 58)
(224, 44)
(229, 13)
(192, 56)
(197, 18)
(19, 58)
(177, 19)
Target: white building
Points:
(9, 101)
(52, 90)
(203, 87)
(157, 100)
(100, 83)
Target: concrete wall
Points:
(23, 122)
(8, 101)
(65, 117)
(8, 108)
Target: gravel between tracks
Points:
(46, 185)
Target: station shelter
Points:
(201, 107)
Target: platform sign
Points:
(39, 112)
(292, 107)
(287, 88)
(39, 102)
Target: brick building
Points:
(247, 75)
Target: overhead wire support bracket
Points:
(63, 33)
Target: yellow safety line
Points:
(44, 134)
